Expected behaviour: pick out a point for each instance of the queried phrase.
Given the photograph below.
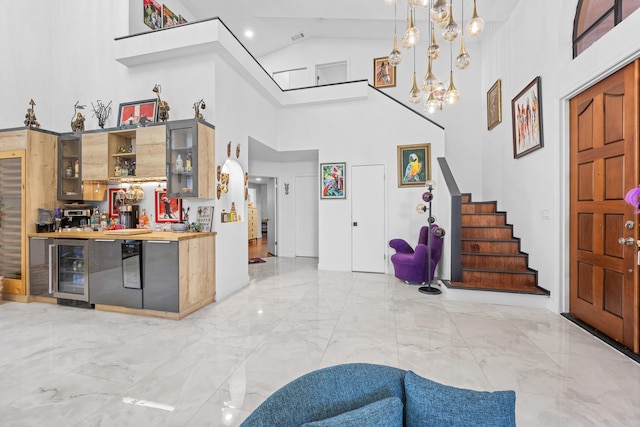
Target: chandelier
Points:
(440, 15)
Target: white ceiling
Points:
(274, 22)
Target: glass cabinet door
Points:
(182, 159)
(69, 168)
(71, 269)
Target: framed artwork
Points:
(152, 14)
(138, 112)
(333, 180)
(114, 202)
(384, 74)
(494, 105)
(204, 216)
(168, 209)
(414, 165)
(182, 20)
(526, 111)
(169, 19)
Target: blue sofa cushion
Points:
(436, 405)
(387, 412)
(327, 393)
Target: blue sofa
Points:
(367, 395)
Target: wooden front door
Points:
(604, 166)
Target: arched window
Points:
(594, 18)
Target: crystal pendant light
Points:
(433, 50)
(395, 57)
(412, 35)
(452, 95)
(439, 91)
(440, 7)
(415, 95)
(414, 3)
(432, 105)
(424, 3)
(476, 24)
(463, 59)
(430, 81)
(390, 2)
(452, 29)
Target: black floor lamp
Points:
(427, 196)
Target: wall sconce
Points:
(286, 188)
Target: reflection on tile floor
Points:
(65, 366)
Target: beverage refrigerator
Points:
(71, 270)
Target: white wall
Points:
(347, 134)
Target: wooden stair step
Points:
(479, 207)
(497, 261)
(503, 277)
(484, 219)
(466, 198)
(498, 287)
(487, 232)
(491, 246)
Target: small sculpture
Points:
(30, 117)
(197, 106)
(102, 112)
(77, 125)
(163, 106)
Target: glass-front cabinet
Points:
(190, 159)
(71, 269)
(182, 159)
(69, 168)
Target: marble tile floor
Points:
(65, 366)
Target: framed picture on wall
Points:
(168, 209)
(414, 165)
(526, 112)
(169, 19)
(384, 74)
(138, 112)
(494, 105)
(333, 180)
(115, 200)
(152, 14)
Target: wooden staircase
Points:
(490, 255)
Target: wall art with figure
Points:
(414, 165)
(526, 111)
(333, 181)
(168, 209)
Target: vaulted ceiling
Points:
(275, 22)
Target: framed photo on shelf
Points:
(138, 112)
(414, 165)
(114, 202)
(169, 19)
(333, 180)
(494, 105)
(168, 209)
(384, 74)
(526, 112)
(152, 14)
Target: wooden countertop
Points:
(154, 235)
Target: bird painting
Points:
(413, 169)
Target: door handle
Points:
(630, 241)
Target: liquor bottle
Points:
(76, 168)
(187, 167)
(144, 219)
(179, 166)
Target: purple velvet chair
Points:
(413, 265)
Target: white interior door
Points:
(272, 211)
(306, 209)
(368, 247)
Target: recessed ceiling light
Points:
(248, 34)
(258, 179)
